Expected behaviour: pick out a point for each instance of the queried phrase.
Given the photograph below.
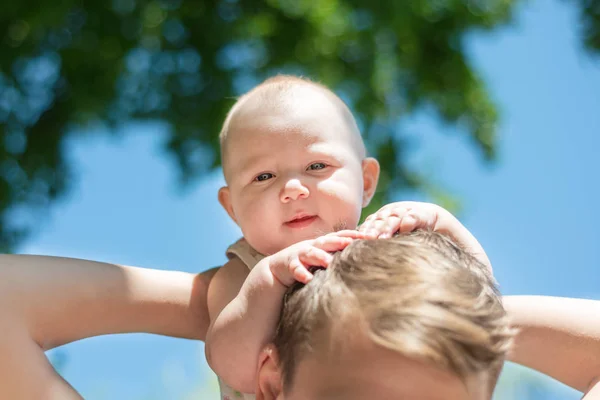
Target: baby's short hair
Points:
(279, 84)
(416, 294)
(271, 91)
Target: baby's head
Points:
(411, 317)
(294, 163)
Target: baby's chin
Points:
(266, 247)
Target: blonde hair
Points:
(417, 294)
(271, 91)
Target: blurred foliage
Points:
(68, 65)
(590, 17)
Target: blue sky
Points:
(534, 210)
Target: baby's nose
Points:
(293, 190)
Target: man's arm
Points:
(559, 337)
(49, 301)
(25, 372)
(62, 300)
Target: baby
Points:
(297, 178)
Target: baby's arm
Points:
(245, 307)
(559, 337)
(49, 301)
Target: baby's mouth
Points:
(301, 221)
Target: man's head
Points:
(294, 163)
(409, 317)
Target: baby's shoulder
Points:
(244, 252)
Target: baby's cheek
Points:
(260, 220)
(343, 204)
(261, 224)
(341, 193)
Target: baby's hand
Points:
(403, 216)
(407, 216)
(291, 264)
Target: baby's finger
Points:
(363, 227)
(366, 226)
(409, 223)
(350, 233)
(417, 220)
(368, 222)
(315, 257)
(374, 228)
(391, 226)
(370, 217)
(332, 243)
(386, 211)
(299, 271)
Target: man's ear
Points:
(370, 168)
(225, 200)
(268, 382)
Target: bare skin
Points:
(49, 301)
(557, 336)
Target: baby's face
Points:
(294, 170)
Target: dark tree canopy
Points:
(590, 17)
(67, 64)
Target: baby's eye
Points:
(263, 177)
(317, 166)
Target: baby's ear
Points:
(268, 382)
(225, 200)
(370, 169)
